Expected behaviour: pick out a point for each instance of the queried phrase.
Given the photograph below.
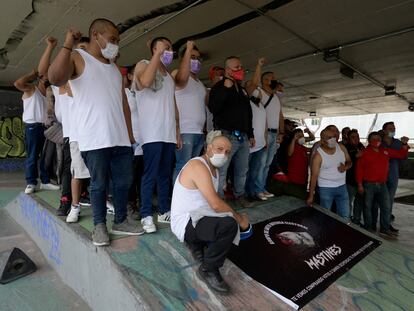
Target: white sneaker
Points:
(148, 224)
(49, 186)
(73, 214)
(268, 194)
(30, 189)
(110, 208)
(261, 196)
(164, 218)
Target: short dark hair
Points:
(265, 74)
(99, 25)
(384, 126)
(353, 131)
(155, 40)
(185, 49)
(373, 134)
(279, 83)
(130, 69)
(230, 57)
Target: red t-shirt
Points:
(298, 165)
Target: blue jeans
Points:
(158, 165)
(240, 152)
(270, 153)
(115, 164)
(392, 189)
(192, 146)
(34, 140)
(257, 162)
(356, 203)
(376, 193)
(339, 195)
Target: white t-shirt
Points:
(156, 111)
(329, 176)
(58, 111)
(130, 94)
(272, 110)
(259, 126)
(34, 108)
(191, 107)
(100, 116)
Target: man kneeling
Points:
(200, 218)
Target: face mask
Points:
(273, 84)
(110, 51)
(301, 141)
(167, 58)
(218, 159)
(375, 143)
(195, 66)
(391, 134)
(331, 142)
(238, 75)
(279, 94)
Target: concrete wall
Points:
(89, 270)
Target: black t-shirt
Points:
(231, 108)
(352, 151)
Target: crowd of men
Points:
(141, 128)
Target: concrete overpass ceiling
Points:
(287, 32)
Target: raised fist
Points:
(51, 41)
(72, 37)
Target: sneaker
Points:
(100, 236)
(84, 199)
(49, 186)
(261, 196)
(243, 202)
(110, 208)
(164, 218)
(73, 214)
(394, 231)
(64, 206)
(268, 194)
(387, 234)
(148, 224)
(30, 189)
(127, 228)
(213, 279)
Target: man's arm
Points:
(183, 73)
(348, 162)
(315, 168)
(127, 116)
(281, 121)
(24, 84)
(311, 136)
(145, 73)
(202, 180)
(359, 172)
(292, 144)
(177, 126)
(44, 62)
(254, 83)
(63, 68)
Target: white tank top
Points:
(156, 112)
(191, 107)
(259, 126)
(188, 201)
(65, 102)
(329, 176)
(134, 117)
(272, 110)
(34, 108)
(100, 117)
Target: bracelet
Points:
(65, 47)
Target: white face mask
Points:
(331, 142)
(301, 141)
(110, 51)
(218, 159)
(391, 134)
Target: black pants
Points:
(137, 171)
(217, 233)
(66, 173)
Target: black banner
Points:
(299, 254)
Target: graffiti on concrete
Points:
(44, 224)
(12, 138)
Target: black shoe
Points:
(394, 230)
(387, 234)
(64, 207)
(198, 254)
(213, 280)
(84, 199)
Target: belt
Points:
(236, 133)
(272, 130)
